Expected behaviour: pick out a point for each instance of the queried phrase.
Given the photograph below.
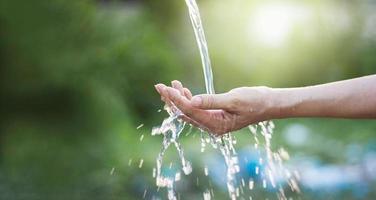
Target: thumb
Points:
(211, 101)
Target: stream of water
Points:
(273, 174)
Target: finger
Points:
(183, 91)
(179, 101)
(184, 105)
(211, 101)
(164, 95)
(177, 85)
(158, 87)
(187, 93)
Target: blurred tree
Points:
(54, 44)
(72, 73)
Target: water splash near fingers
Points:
(171, 129)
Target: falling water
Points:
(225, 143)
(194, 14)
(172, 127)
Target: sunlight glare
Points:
(271, 24)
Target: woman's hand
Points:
(220, 113)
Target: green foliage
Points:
(72, 73)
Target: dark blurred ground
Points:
(77, 79)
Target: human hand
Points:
(220, 113)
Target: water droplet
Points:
(283, 153)
(207, 195)
(177, 176)
(187, 168)
(206, 171)
(140, 164)
(143, 196)
(140, 126)
(155, 131)
(251, 184)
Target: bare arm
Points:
(240, 107)
(354, 98)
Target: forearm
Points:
(355, 98)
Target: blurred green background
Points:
(77, 80)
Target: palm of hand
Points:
(219, 113)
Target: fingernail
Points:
(164, 91)
(196, 101)
(158, 87)
(173, 84)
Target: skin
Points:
(240, 107)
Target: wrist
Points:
(283, 103)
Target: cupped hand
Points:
(219, 113)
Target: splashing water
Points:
(224, 144)
(274, 173)
(172, 127)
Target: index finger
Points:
(184, 105)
